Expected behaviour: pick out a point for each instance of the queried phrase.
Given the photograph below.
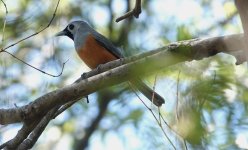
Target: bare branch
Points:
(21, 135)
(173, 53)
(30, 132)
(135, 12)
(242, 6)
(37, 131)
(63, 108)
(120, 72)
(33, 137)
(232, 44)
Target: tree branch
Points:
(29, 142)
(124, 69)
(242, 6)
(30, 132)
(135, 12)
(36, 33)
(52, 75)
(21, 135)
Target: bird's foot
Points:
(99, 68)
(83, 76)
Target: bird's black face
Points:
(69, 34)
(67, 31)
(70, 29)
(75, 28)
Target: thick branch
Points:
(21, 135)
(30, 132)
(123, 70)
(29, 142)
(242, 6)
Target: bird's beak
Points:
(61, 33)
(65, 32)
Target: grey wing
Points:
(107, 44)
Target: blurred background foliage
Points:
(211, 93)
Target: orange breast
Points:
(93, 54)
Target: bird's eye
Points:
(71, 26)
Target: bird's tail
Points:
(148, 92)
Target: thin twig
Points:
(177, 101)
(63, 108)
(5, 18)
(157, 120)
(185, 144)
(135, 12)
(159, 115)
(62, 69)
(153, 89)
(178, 79)
(36, 33)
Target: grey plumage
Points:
(78, 32)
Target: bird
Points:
(94, 49)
